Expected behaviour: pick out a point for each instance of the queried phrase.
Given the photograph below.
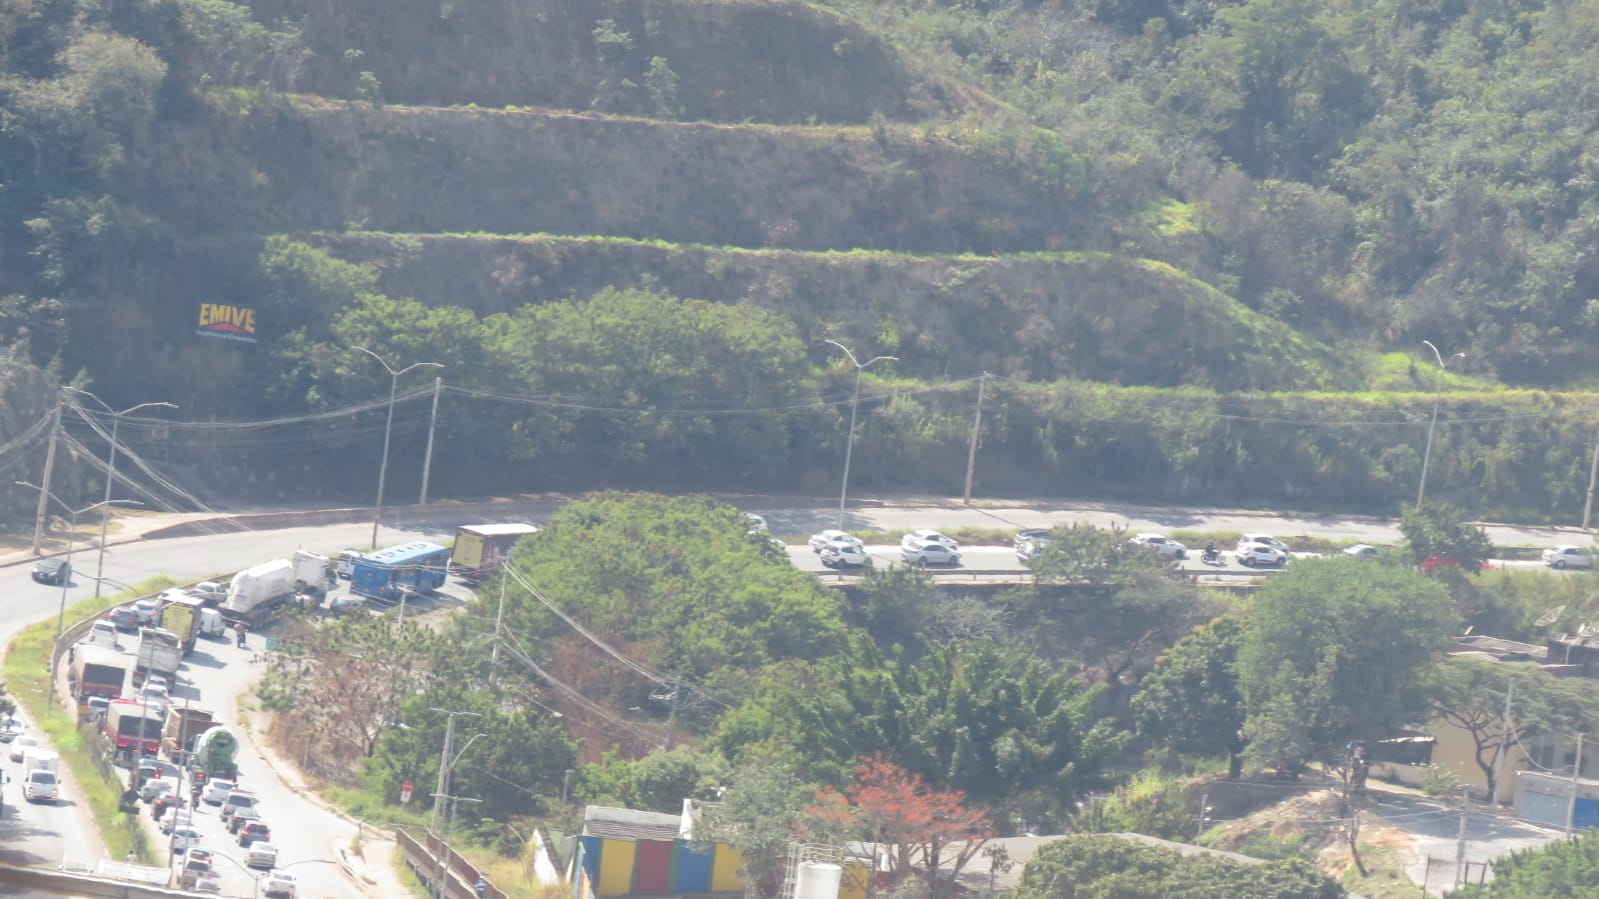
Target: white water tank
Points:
(818, 880)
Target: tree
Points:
(1334, 651)
(1190, 702)
(1475, 695)
(657, 782)
(1107, 867)
(909, 822)
(1440, 532)
(756, 816)
(1561, 868)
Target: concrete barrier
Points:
(61, 883)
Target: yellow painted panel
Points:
(616, 867)
(724, 870)
(853, 885)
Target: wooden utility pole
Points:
(49, 467)
(971, 450)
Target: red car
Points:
(252, 831)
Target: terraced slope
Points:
(973, 243)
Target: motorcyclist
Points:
(1210, 551)
(240, 628)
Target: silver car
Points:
(1563, 557)
(1165, 546)
(929, 554)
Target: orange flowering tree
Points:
(911, 824)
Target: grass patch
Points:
(27, 676)
(370, 807)
(1387, 878)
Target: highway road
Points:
(43, 835)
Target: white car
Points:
(1259, 555)
(185, 836)
(20, 746)
(1028, 550)
(261, 855)
(1267, 539)
(844, 554)
(155, 696)
(216, 791)
(757, 523)
(1563, 557)
(277, 884)
(41, 786)
(1363, 552)
(819, 542)
(1165, 546)
(917, 538)
(176, 817)
(929, 554)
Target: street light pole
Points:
(447, 761)
(1426, 456)
(111, 470)
(383, 467)
(66, 576)
(849, 443)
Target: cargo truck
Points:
(183, 727)
(133, 727)
(160, 653)
(256, 592)
(97, 671)
(181, 616)
(480, 548)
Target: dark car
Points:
(252, 831)
(124, 618)
(167, 800)
(242, 817)
(52, 571)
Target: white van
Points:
(211, 623)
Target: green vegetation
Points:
(1101, 867)
(1562, 868)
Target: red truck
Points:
(130, 724)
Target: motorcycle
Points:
(1211, 557)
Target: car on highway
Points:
(165, 803)
(185, 836)
(1267, 539)
(1028, 550)
(20, 746)
(262, 854)
(844, 554)
(10, 729)
(242, 817)
(155, 696)
(52, 571)
(237, 800)
(345, 605)
(1363, 552)
(175, 817)
(918, 538)
(197, 872)
(1029, 535)
(215, 791)
(123, 618)
(1563, 557)
(819, 541)
(277, 884)
(148, 612)
(1162, 545)
(1259, 555)
(254, 830)
(155, 788)
(925, 554)
(757, 523)
(41, 786)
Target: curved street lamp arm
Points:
(386, 366)
(880, 359)
(845, 349)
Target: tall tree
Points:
(1334, 651)
(1190, 702)
(1440, 537)
(757, 815)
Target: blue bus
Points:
(388, 574)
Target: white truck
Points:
(40, 779)
(160, 653)
(256, 592)
(313, 574)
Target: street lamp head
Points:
(856, 362)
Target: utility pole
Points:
(671, 715)
(1460, 845)
(446, 762)
(971, 450)
(49, 466)
(427, 458)
(1576, 772)
(499, 628)
(1204, 815)
(1593, 476)
(1504, 745)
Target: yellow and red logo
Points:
(227, 322)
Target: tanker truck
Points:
(214, 755)
(255, 593)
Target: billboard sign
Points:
(226, 322)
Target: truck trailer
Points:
(181, 616)
(256, 592)
(184, 726)
(481, 548)
(214, 755)
(97, 671)
(133, 727)
(160, 653)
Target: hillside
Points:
(1249, 198)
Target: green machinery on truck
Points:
(214, 756)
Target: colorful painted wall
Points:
(609, 867)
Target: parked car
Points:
(1164, 546)
(185, 836)
(1563, 557)
(252, 831)
(277, 884)
(261, 855)
(52, 571)
(917, 538)
(1364, 552)
(929, 554)
(215, 791)
(20, 746)
(1259, 555)
(819, 542)
(1267, 539)
(845, 554)
(242, 817)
